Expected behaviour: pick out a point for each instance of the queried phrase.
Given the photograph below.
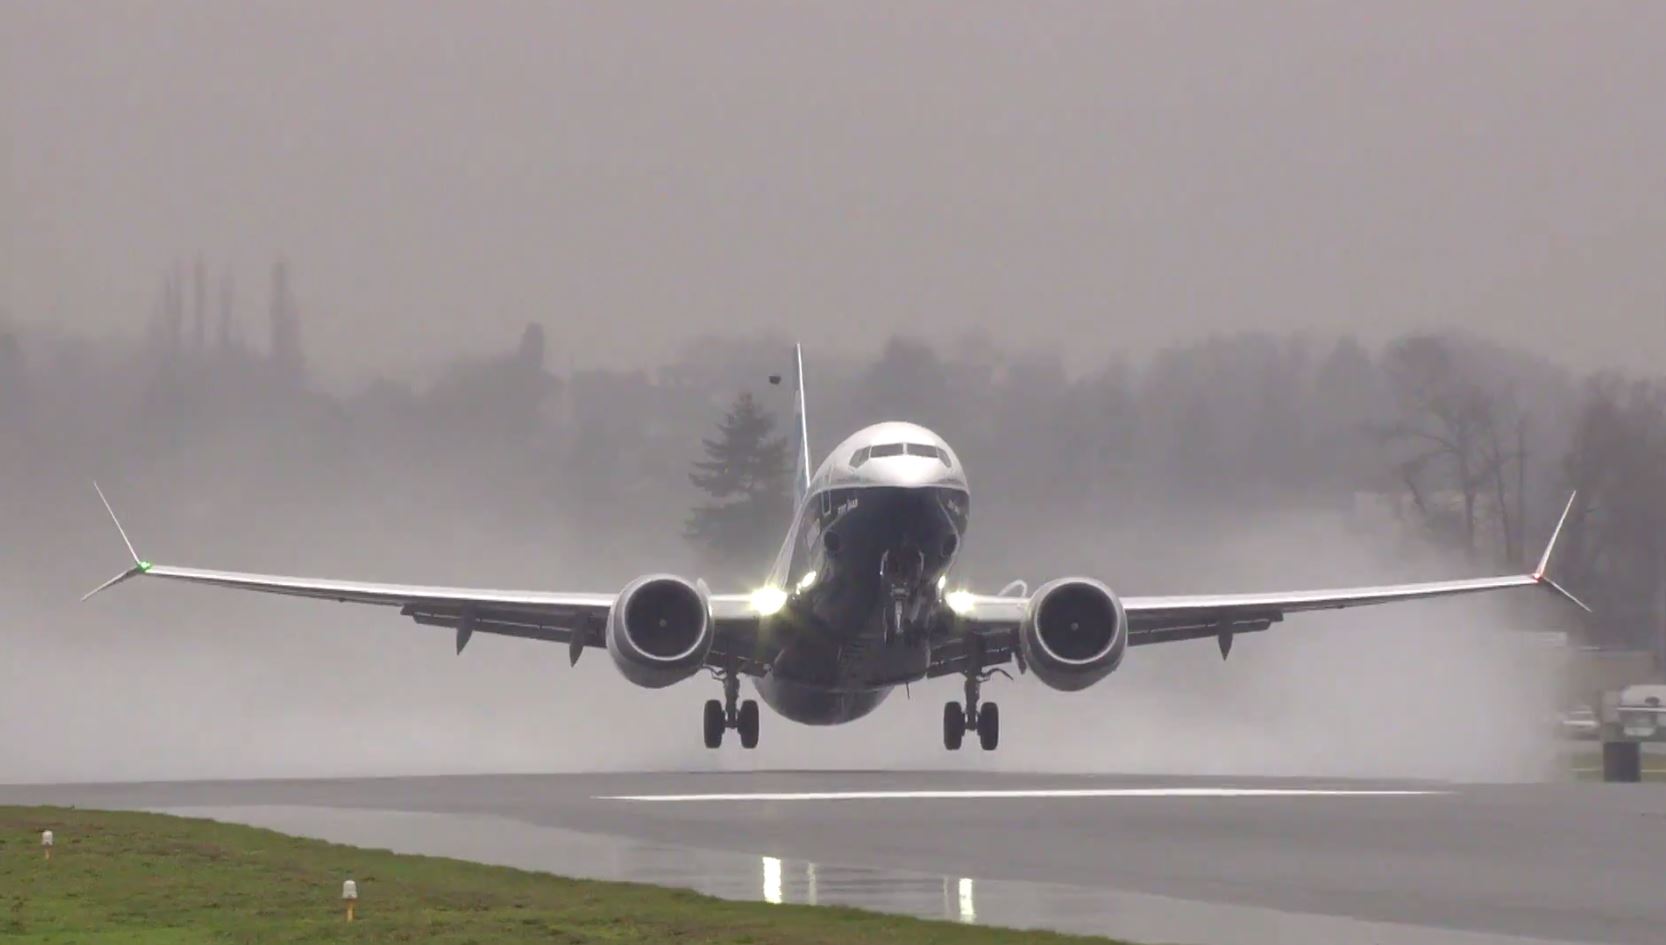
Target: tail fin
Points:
(801, 475)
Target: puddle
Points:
(1136, 917)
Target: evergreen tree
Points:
(745, 476)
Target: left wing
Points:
(992, 622)
(576, 619)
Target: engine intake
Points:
(660, 630)
(1074, 634)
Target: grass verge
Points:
(120, 878)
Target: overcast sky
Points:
(1083, 176)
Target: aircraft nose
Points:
(908, 470)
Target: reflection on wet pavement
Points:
(1133, 916)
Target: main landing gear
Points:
(984, 719)
(720, 716)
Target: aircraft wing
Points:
(576, 619)
(991, 622)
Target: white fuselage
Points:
(864, 563)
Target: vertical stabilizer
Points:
(801, 475)
(801, 469)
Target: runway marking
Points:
(1010, 794)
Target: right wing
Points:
(991, 622)
(576, 619)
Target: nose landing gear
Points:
(901, 574)
(896, 616)
(720, 716)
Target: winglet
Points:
(119, 530)
(132, 572)
(1541, 574)
(1547, 582)
(1550, 546)
(139, 566)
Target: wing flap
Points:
(509, 625)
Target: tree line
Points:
(1469, 443)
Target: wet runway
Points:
(1169, 859)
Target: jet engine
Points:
(660, 630)
(1074, 633)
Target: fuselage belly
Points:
(865, 563)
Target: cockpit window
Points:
(924, 449)
(898, 449)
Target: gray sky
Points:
(1089, 176)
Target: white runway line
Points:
(999, 795)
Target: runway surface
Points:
(1173, 859)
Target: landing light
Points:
(768, 600)
(804, 582)
(960, 602)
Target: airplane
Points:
(859, 601)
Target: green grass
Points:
(148, 879)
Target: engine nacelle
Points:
(1074, 633)
(660, 630)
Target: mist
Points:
(164, 682)
(461, 481)
(1075, 177)
(423, 294)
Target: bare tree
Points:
(1448, 438)
(1617, 460)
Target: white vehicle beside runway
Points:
(1639, 712)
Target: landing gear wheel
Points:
(714, 723)
(989, 726)
(747, 723)
(954, 725)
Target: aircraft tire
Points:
(713, 723)
(954, 725)
(989, 726)
(748, 724)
